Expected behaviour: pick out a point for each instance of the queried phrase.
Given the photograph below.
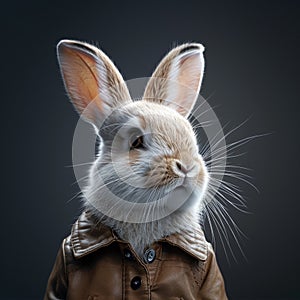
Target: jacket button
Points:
(128, 254)
(149, 256)
(136, 282)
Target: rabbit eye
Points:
(138, 143)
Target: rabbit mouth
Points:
(188, 187)
(182, 184)
(183, 198)
(186, 182)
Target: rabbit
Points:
(139, 235)
(152, 137)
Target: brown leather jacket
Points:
(94, 264)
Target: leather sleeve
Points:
(212, 287)
(57, 282)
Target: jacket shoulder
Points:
(58, 280)
(212, 282)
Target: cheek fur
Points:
(161, 172)
(134, 157)
(203, 176)
(157, 174)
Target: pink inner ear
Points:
(189, 80)
(81, 77)
(190, 72)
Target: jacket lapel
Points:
(87, 236)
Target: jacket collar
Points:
(87, 236)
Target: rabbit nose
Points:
(180, 167)
(184, 168)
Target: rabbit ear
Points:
(177, 79)
(90, 76)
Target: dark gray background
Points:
(252, 70)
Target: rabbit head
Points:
(148, 165)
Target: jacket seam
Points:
(203, 272)
(64, 258)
